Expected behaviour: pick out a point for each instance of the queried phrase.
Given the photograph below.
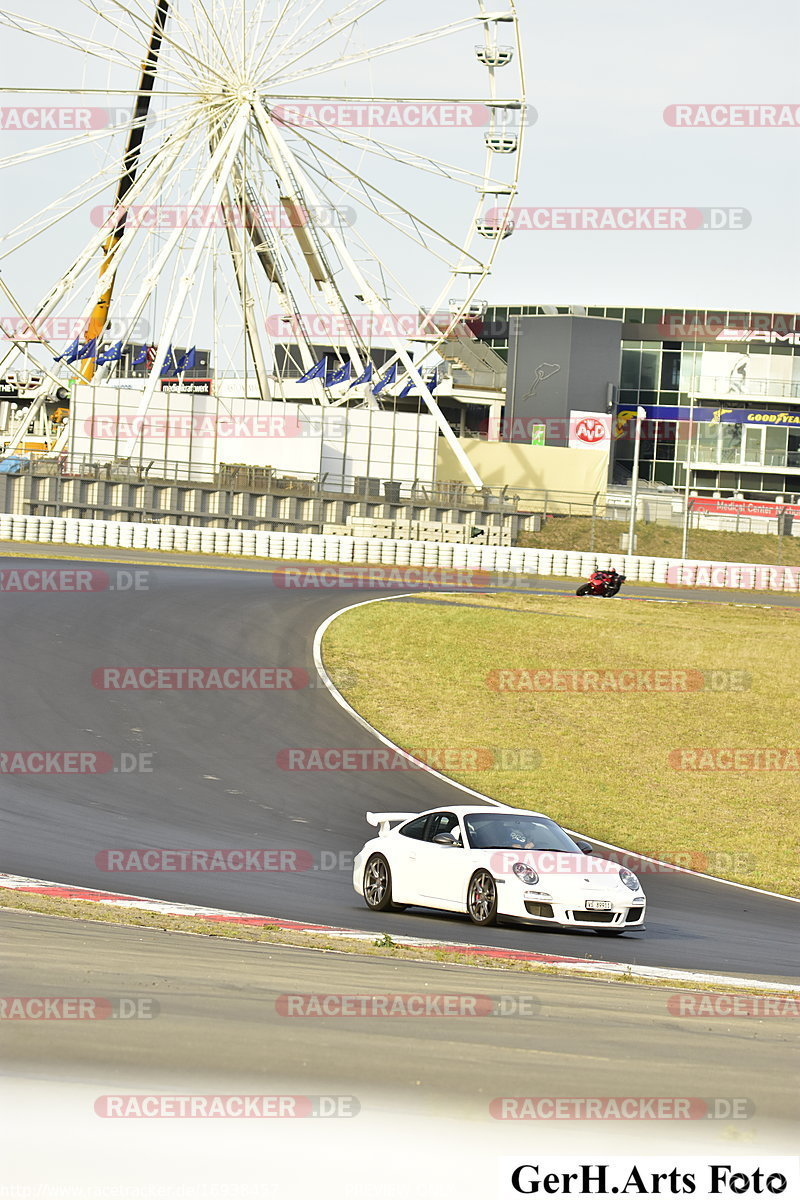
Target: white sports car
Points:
(492, 862)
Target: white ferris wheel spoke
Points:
(86, 138)
(403, 155)
(163, 160)
(353, 11)
(219, 166)
(212, 28)
(371, 188)
(191, 60)
(47, 33)
(374, 52)
(254, 67)
(88, 189)
(336, 30)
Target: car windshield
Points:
(506, 831)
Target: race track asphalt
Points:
(216, 779)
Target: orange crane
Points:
(130, 164)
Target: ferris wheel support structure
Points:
(221, 165)
(282, 153)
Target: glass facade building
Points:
(735, 374)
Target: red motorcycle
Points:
(601, 583)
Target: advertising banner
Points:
(589, 430)
(743, 508)
(709, 416)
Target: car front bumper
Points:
(541, 908)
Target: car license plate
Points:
(598, 904)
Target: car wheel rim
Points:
(481, 897)
(376, 882)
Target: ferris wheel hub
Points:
(246, 93)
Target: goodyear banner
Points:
(705, 416)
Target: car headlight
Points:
(525, 873)
(629, 879)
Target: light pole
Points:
(685, 539)
(640, 415)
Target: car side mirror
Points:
(445, 839)
(584, 846)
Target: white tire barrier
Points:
(388, 552)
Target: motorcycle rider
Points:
(602, 583)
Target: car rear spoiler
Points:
(382, 820)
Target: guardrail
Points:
(389, 552)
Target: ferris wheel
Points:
(271, 177)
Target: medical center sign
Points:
(589, 430)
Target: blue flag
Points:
(71, 352)
(341, 376)
(89, 350)
(112, 354)
(389, 377)
(186, 361)
(433, 383)
(317, 372)
(141, 357)
(169, 363)
(365, 377)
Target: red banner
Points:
(743, 508)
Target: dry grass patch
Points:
(604, 766)
(664, 541)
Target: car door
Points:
(402, 858)
(442, 871)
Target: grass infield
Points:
(609, 760)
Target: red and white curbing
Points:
(42, 887)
